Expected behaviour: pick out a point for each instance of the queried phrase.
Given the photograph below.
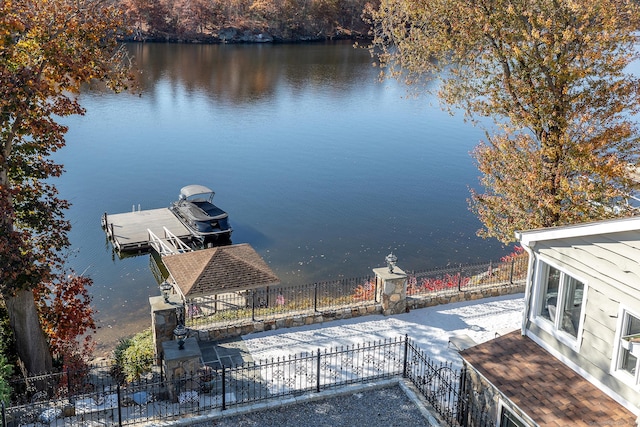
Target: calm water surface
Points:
(323, 169)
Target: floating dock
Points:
(135, 231)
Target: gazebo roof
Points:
(218, 270)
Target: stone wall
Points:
(422, 301)
(485, 397)
(287, 321)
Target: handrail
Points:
(159, 245)
(179, 245)
(170, 245)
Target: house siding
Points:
(613, 259)
(609, 264)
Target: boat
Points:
(195, 209)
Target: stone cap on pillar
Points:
(159, 304)
(172, 350)
(383, 273)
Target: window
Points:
(509, 419)
(628, 353)
(561, 299)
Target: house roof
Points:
(608, 250)
(544, 388)
(618, 225)
(218, 270)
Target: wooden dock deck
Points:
(129, 232)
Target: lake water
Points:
(323, 169)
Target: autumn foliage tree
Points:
(47, 51)
(553, 76)
(66, 316)
(285, 20)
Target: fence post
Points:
(318, 372)
(4, 415)
(375, 290)
(511, 275)
(464, 400)
(315, 297)
(224, 388)
(119, 406)
(253, 305)
(406, 355)
(460, 279)
(68, 381)
(267, 298)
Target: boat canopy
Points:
(192, 190)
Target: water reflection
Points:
(247, 74)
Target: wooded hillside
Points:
(246, 20)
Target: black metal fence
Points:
(446, 388)
(157, 397)
(276, 302)
(509, 270)
(97, 393)
(273, 302)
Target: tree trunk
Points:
(31, 342)
(551, 157)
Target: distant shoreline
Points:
(240, 36)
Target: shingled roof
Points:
(547, 390)
(218, 270)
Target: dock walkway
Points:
(129, 232)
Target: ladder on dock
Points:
(170, 244)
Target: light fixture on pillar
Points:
(165, 288)
(180, 332)
(391, 260)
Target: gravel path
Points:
(382, 407)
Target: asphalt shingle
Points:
(546, 389)
(219, 269)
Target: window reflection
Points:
(629, 362)
(572, 306)
(551, 293)
(562, 297)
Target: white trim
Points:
(528, 288)
(502, 406)
(586, 375)
(620, 374)
(551, 327)
(528, 237)
(176, 287)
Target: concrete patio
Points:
(438, 330)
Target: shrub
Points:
(365, 292)
(7, 341)
(6, 370)
(8, 356)
(133, 357)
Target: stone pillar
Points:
(392, 290)
(164, 319)
(180, 366)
